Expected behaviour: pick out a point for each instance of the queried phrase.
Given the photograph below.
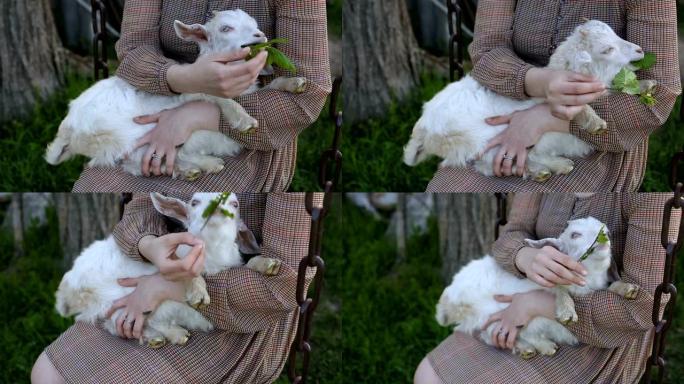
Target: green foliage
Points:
(335, 18)
(275, 56)
(647, 62)
(626, 81)
(28, 320)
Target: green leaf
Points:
(214, 204)
(280, 60)
(602, 238)
(647, 62)
(626, 81)
(647, 99)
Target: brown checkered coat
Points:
(255, 316)
(615, 333)
(149, 46)
(510, 39)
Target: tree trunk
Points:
(24, 209)
(84, 218)
(32, 60)
(382, 61)
(466, 228)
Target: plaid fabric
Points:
(615, 334)
(149, 46)
(255, 316)
(512, 36)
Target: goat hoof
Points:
(599, 129)
(192, 174)
(272, 267)
(542, 176)
(200, 304)
(156, 342)
(632, 291)
(528, 354)
(300, 85)
(184, 339)
(568, 320)
(248, 126)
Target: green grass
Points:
(373, 149)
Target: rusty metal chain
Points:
(501, 212)
(667, 287)
(676, 161)
(329, 179)
(456, 48)
(99, 20)
(307, 305)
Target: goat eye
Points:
(227, 28)
(575, 235)
(234, 203)
(194, 203)
(608, 50)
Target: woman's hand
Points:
(174, 127)
(161, 251)
(523, 308)
(566, 92)
(217, 74)
(150, 291)
(525, 128)
(549, 267)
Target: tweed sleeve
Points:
(653, 26)
(282, 115)
(139, 220)
(521, 226)
(607, 320)
(142, 62)
(246, 301)
(495, 63)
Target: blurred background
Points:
(46, 62)
(42, 233)
(396, 58)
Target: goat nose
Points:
(260, 34)
(639, 50)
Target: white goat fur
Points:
(469, 301)
(100, 123)
(90, 287)
(453, 126)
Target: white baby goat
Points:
(100, 123)
(90, 287)
(453, 123)
(469, 300)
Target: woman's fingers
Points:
(171, 160)
(147, 157)
(565, 274)
(576, 76)
(510, 340)
(157, 157)
(143, 140)
(569, 262)
(198, 265)
(507, 164)
(115, 305)
(128, 282)
(223, 57)
(147, 119)
(503, 298)
(492, 319)
(520, 161)
(138, 326)
(537, 278)
(494, 142)
(120, 324)
(501, 337)
(498, 159)
(128, 326)
(499, 120)
(579, 87)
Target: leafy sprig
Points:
(275, 56)
(214, 205)
(601, 238)
(626, 80)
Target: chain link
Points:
(99, 20)
(307, 305)
(667, 287)
(501, 212)
(456, 45)
(332, 156)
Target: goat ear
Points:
(584, 32)
(194, 32)
(543, 242)
(246, 241)
(168, 206)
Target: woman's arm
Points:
(521, 225)
(142, 62)
(139, 220)
(281, 115)
(607, 320)
(653, 26)
(243, 300)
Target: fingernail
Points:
(584, 273)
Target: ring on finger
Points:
(508, 157)
(155, 155)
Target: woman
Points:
(254, 316)
(614, 333)
(154, 59)
(514, 39)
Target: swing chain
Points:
(667, 287)
(455, 15)
(307, 305)
(501, 212)
(99, 19)
(329, 181)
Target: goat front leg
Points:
(589, 121)
(236, 115)
(264, 265)
(565, 307)
(626, 290)
(647, 85)
(288, 84)
(196, 293)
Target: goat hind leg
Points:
(264, 265)
(626, 290)
(589, 121)
(565, 307)
(288, 84)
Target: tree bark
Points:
(466, 228)
(84, 218)
(382, 61)
(32, 60)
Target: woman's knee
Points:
(425, 374)
(44, 372)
